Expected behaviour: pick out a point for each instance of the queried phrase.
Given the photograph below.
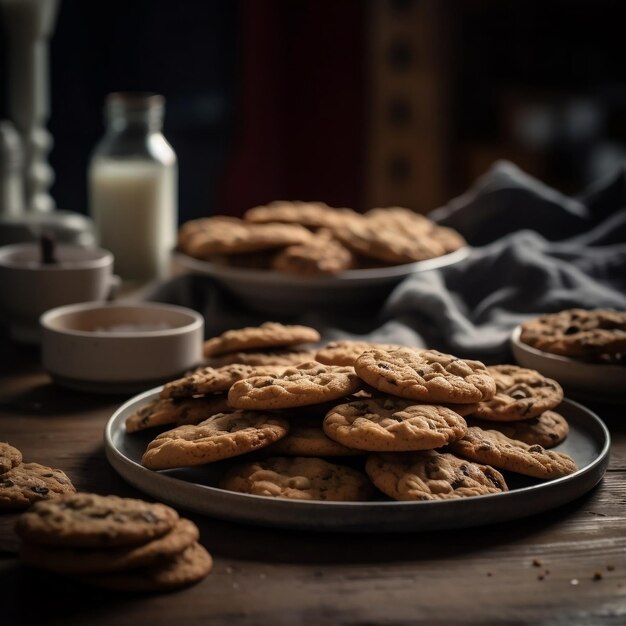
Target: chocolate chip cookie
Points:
(431, 475)
(494, 448)
(220, 437)
(347, 351)
(577, 333)
(9, 457)
(298, 478)
(306, 384)
(30, 482)
(393, 425)
(426, 375)
(87, 520)
(520, 394)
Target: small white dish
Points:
(29, 287)
(580, 379)
(269, 291)
(120, 348)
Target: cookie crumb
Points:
(574, 581)
(597, 576)
(537, 562)
(610, 568)
(489, 574)
(540, 577)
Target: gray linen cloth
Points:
(534, 250)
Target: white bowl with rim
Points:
(120, 347)
(592, 381)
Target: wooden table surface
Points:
(564, 567)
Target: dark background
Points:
(271, 99)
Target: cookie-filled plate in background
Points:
(580, 379)
(270, 291)
(194, 489)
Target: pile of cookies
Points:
(314, 239)
(596, 336)
(21, 484)
(412, 424)
(114, 543)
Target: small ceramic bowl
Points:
(29, 287)
(120, 348)
(586, 381)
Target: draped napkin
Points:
(534, 250)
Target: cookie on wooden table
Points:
(164, 411)
(577, 332)
(426, 375)
(182, 570)
(9, 457)
(347, 351)
(267, 335)
(494, 448)
(393, 425)
(31, 482)
(220, 437)
(308, 383)
(299, 478)
(93, 521)
(431, 475)
(70, 560)
(208, 380)
(521, 393)
(547, 429)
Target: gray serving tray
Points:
(194, 488)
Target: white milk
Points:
(134, 206)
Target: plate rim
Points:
(356, 276)
(590, 475)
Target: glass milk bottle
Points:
(133, 187)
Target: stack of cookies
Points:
(365, 416)
(595, 336)
(313, 239)
(115, 543)
(21, 484)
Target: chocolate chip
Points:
(571, 330)
(42, 491)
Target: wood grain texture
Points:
(538, 570)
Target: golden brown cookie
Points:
(208, 380)
(400, 219)
(220, 437)
(577, 333)
(313, 215)
(346, 351)
(431, 475)
(520, 394)
(182, 570)
(307, 438)
(449, 238)
(69, 560)
(298, 478)
(308, 383)
(221, 237)
(388, 424)
(547, 429)
(426, 375)
(387, 244)
(268, 335)
(30, 482)
(9, 457)
(494, 448)
(88, 520)
(285, 356)
(320, 256)
(163, 411)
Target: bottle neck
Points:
(134, 113)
